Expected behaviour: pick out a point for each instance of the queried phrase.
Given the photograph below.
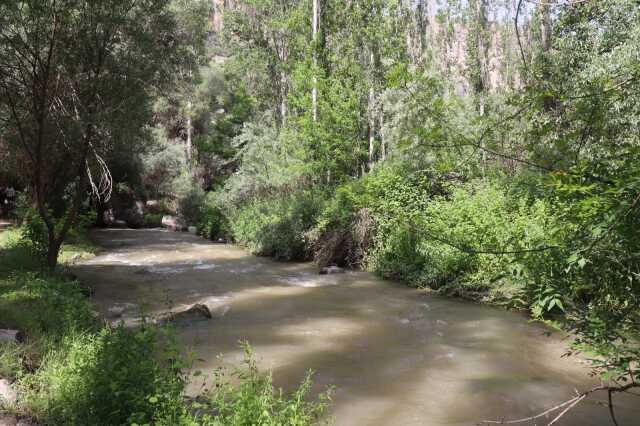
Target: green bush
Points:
(153, 220)
(277, 227)
(213, 224)
(111, 377)
(191, 199)
(255, 401)
(35, 234)
(477, 241)
(361, 209)
(40, 305)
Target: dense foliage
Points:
(484, 149)
(514, 184)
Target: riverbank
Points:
(69, 366)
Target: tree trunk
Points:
(283, 98)
(315, 30)
(53, 251)
(545, 26)
(372, 123)
(189, 148)
(383, 142)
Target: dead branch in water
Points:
(568, 405)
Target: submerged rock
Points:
(327, 270)
(10, 336)
(197, 312)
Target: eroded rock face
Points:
(197, 312)
(327, 270)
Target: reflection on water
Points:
(396, 356)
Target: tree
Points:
(75, 80)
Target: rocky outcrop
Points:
(197, 312)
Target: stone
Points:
(153, 206)
(173, 223)
(119, 223)
(8, 395)
(119, 309)
(197, 312)
(192, 230)
(108, 217)
(7, 335)
(327, 270)
(170, 222)
(134, 216)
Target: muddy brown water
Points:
(396, 355)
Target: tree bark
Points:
(315, 30)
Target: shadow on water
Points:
(395, 355)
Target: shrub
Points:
(35, 234)
(213, 224)
(153, 220)
(190, 198)
(111, 377)
(363, 208)
(478, 241)
(278, 227)
(255, 401)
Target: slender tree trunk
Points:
(545, 26)
(372, 124)
(383, 142)
(189, 148)
(283, 98)
(315, 30)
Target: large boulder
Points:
(173, 223)
(197, 312)
(153, 206)
(134, 216)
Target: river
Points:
(396, 355)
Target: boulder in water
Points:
(197, 312)
(327, 270)
(173, 223)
